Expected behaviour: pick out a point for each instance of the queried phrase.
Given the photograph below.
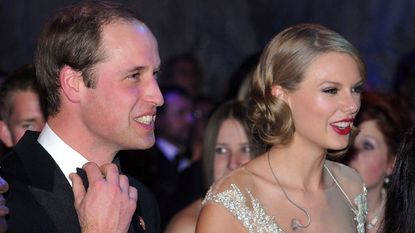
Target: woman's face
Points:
(326, 101)
(371, 158)
(232, 148)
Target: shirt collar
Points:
(65, 156)
(168, 149)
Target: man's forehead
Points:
(129, 37)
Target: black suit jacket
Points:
(153, 168)
(40, 198)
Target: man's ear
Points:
(71, 81)
(5, 134)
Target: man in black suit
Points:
(96, 64)
(20, 108)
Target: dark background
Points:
(221, 33)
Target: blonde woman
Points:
(304, 96)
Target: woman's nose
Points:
(234, 161)
(351, 103)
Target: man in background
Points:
(20, 107)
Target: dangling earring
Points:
(386, 180)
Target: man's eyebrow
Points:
(138, 68)
(28, 120)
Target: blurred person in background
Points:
(20, 107)
(226, 146)
(382, 120)
(183, 70)
(400, 204)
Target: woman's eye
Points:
(358, 89)
(368, 146)
(330, 90)
(246, 150)
(221, 150)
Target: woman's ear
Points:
(279, 91)
(390, 165)
(70, 80)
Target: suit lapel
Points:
(51, 190)
(58, 204)
(137, 223)
(48, 185)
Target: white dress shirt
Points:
(66, 157)
(170, 151)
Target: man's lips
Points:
(146, 119)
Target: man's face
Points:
(26, 114)
(119, 112)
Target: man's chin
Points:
(145, 144)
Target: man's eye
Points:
(135, 76)
(27, 126)
(156, 73)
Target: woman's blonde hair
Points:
(283, 63)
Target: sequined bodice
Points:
(256, 220)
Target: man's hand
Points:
(109, 203)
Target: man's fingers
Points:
(132, 200)
(110, 171)
(133, 193)
(124, 184)
(77, 188)
(92, 172)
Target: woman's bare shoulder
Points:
(347, 178)
(244, 177)
(185, 220)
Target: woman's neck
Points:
(374, 199)
(297, 167)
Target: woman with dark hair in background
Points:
(400, 204)
(382, 120)
(226, 146)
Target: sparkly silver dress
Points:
(253, 216)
